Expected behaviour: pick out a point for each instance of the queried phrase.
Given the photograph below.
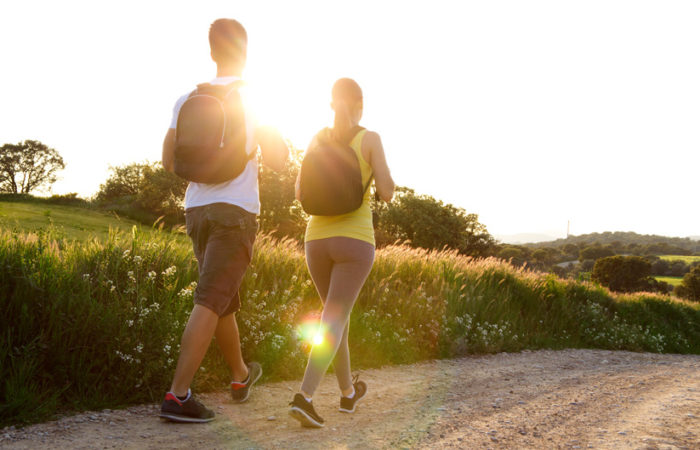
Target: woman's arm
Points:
(377, 159)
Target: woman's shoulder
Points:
(371, 140)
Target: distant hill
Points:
(626, 238)
(525, 238)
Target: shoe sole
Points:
(183, 419)
(354, 407)
(249, 388)
(306, 420)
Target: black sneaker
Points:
(241, 391)
(304, 412)
(189, 410)
(347, 405)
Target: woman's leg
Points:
(341, 362)
(320, 265)
(352, 261)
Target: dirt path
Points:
(543, 399)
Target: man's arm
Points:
(273, 148)
(169, 150)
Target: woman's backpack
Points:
(330, 179)
(210, 138)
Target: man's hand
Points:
(273, 148)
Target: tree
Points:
(27, 166)
(678, 268)
(280, 214)
(144, 191)
(513, 254)
(690, 285)
(422, 221)
(660, 267)
(595, 252)
(571, 251)
(623, 273)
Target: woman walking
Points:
(339, 255)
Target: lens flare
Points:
(309, 332)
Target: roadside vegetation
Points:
(95, 322)
(96, 292)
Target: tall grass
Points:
(97, 324)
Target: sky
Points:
(531, 114)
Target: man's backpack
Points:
(330, 179)
(210, 138)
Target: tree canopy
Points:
(690, 286)
(423, 221)
(623, 273)
(28, 166)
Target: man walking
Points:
(221, 220)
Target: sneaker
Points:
(188, 410)
(304, 412)
(241, 391)
(347, 405)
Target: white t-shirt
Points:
(241, 191)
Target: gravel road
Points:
(542, 399)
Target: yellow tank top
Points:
(356, 224)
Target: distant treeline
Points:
(577, 254)
(629, 242)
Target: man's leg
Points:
(228, 339)
(193, 346)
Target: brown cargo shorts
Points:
(222, 236)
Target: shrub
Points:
(690, 286)
(144, 192)
(622, 273)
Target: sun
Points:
(298, 112)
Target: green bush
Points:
(144, 192)
(690, 286)
(623, 273)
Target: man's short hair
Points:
(228, 41)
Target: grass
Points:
(95, 321)
(74, 222)
(688, 259)
(65, 222)
(673, 281)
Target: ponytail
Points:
(346, 94)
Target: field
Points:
(71, 222)
(684, 258)
(673, 281)
(94, 308)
